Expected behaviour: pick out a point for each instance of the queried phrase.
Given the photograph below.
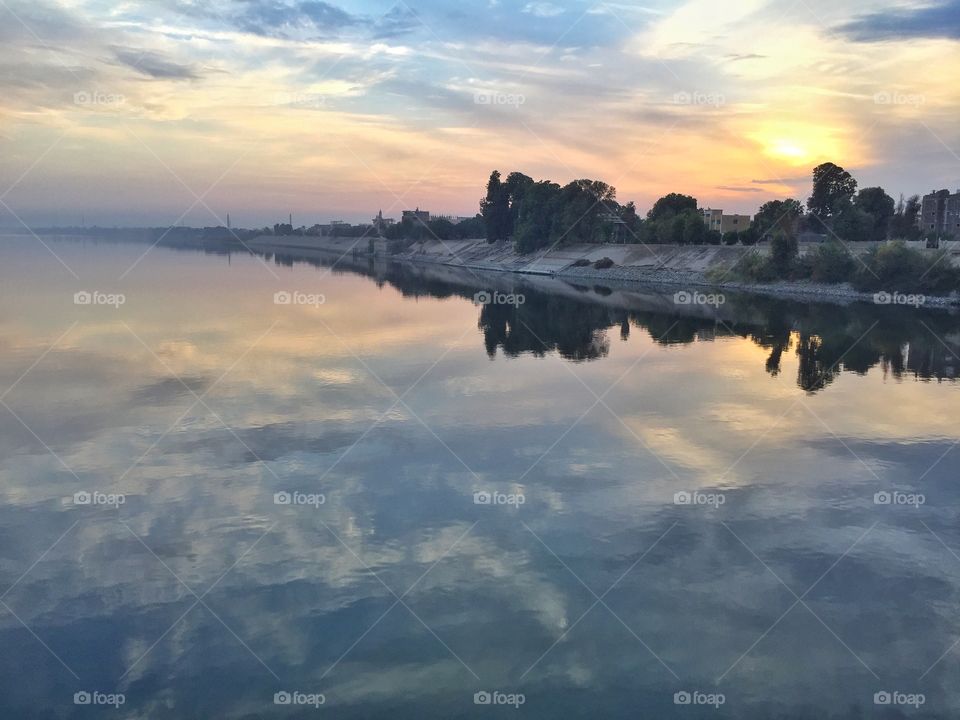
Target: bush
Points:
(783, 252)
(831, 263)
(896, 267)
(582, 262)
(604, 263)
(731, 237)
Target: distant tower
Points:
(228, 221)
(291, 219)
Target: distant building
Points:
(380, 223)
(716, 220)
(940, 213)
(418, 214)
(455, 219)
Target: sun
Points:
(790, 150)
(798, 144)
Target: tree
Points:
(783, 252)
(694, 229)
(880, 207)
(495, 208)
(777, 216)
(536, 216)
(582, 205)
(515, 187)
(831, 185)
(851, 224)
(903, 225)
(731, 237)
(670, 205)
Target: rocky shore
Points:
(674, 266)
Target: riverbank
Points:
(702, 266)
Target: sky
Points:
(164, 112)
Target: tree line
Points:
(538, 214)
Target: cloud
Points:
(400, 20)
(154, 64)
(735, 188)
(276, 18)
(933, 21)
(543, 9)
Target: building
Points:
(380, 223)
(455, 219)
(418, 214)
(940, 213)
(716, 220)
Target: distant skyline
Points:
(127, 113)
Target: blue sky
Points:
(129, 112)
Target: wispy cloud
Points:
(940, 20)
(543, 9)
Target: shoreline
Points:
(679, 267)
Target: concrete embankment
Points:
(666, 265)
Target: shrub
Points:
(896, 267)
(603, 263)
(831, 263)
(582, 262)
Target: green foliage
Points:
(495, 208)
(536, 215)
(731, 237)
(750, 236)
(831, 263)
(879, 207)
(896, 267)
(784, 249)
(778, 216)
(853, 224)
(694, 229)
(670, 205)
(903, 224)
(831, 186)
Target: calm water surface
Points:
(190, 413)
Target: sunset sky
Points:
(166, 111)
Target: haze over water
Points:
(786, 584)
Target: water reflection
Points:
(773, 404)
(827, 339)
